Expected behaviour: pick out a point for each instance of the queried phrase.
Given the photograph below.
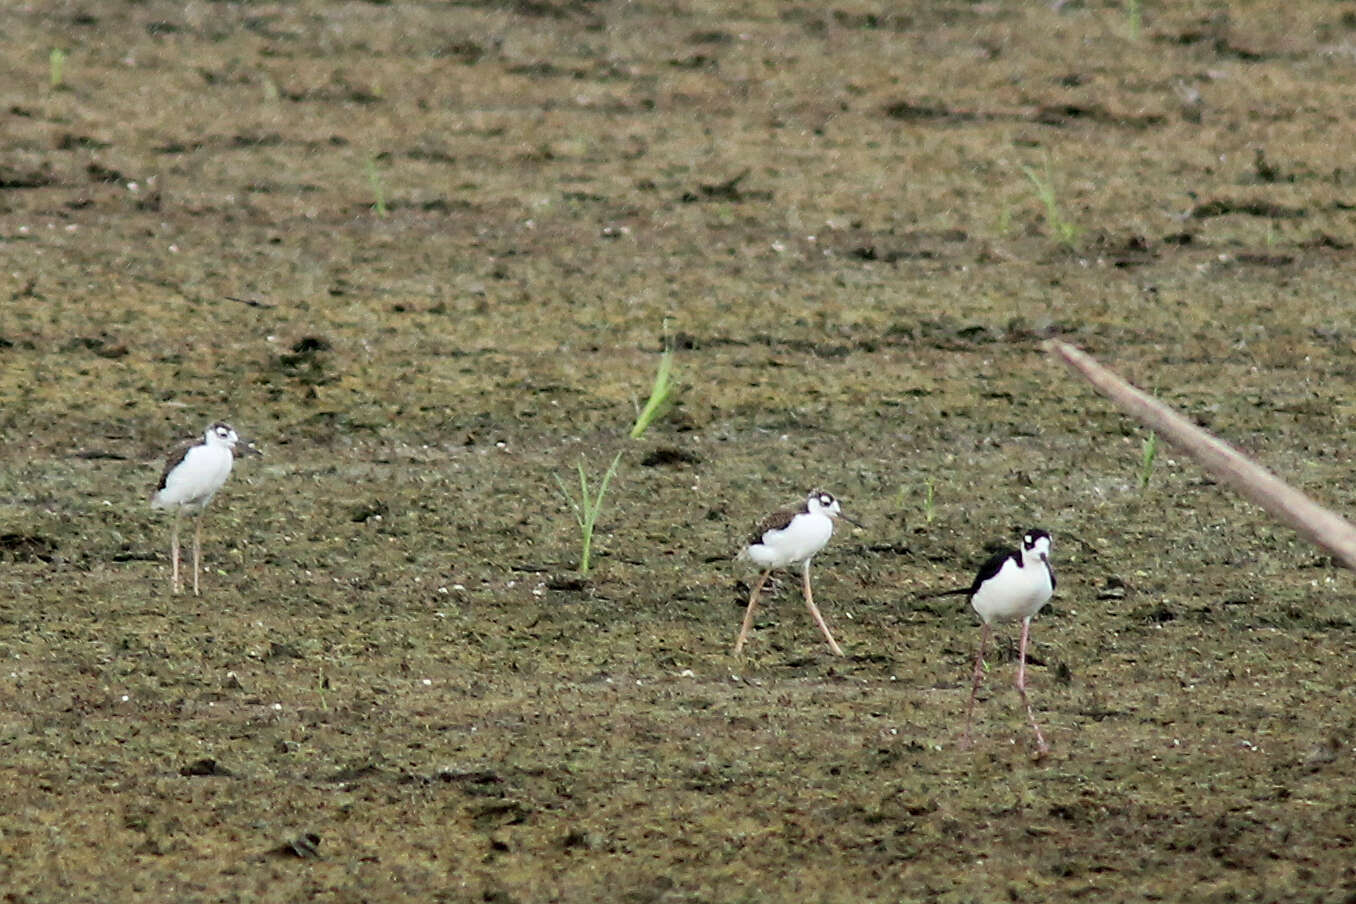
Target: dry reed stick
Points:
(1321, 526)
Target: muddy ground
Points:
(427, 254)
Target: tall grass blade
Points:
(661, 396)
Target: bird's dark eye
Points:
(826, 499)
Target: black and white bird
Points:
(787, 538)
(193, 474)
(1012, 584)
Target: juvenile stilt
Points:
(786, 538)
(192, 476)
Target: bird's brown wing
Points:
(775, 521)
(175, 459)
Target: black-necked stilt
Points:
(193, 474)
(786, 538)
(1012, 584)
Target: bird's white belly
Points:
(193, 484)
(795, 543)
(1014, 593)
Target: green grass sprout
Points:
(661, 396)
(1061, 230)
(56, 68)
(587, 508)
(929, 508)
(1148, 454)
(378, 190)
(1005, 220)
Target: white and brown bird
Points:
(791, 537)
(1013, 584)
(193, 474)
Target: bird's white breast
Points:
(806, 535)
(1015, 592)
(197, 478)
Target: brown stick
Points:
(1321, 526)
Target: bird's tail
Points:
(934, 594)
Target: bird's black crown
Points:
(1030, 537)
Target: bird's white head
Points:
(820, 501)
(1036, 545)
(221, 434)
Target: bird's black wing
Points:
(993, 566)
(986, 571)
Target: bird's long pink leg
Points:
(1021, 687)
(174, 553)
(748, 613)
(974, 685)
(197, 552)
(814, 611)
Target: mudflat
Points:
(429, 254)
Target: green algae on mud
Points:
(395, 654)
